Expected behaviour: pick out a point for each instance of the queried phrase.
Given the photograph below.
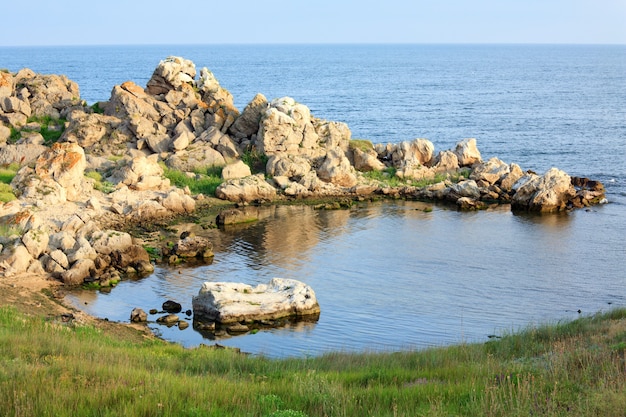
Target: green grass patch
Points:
(97, 109)
(8, 172)
(99, 183)
(361, 144)
(255, 160)
(8, 230)
(6, 193)
(51, 129)
(47, 368)
(205, 181)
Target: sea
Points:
(403, 275)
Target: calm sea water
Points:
(389, 276)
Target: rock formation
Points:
(80, 164)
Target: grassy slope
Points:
(52, 369)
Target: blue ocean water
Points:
(387, 276)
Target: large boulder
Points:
(490, 172)
(6, 84)
(336, 169)
(171, 74)
(21, 154)
(128, 99)
(107, 241)
(219, 101)
(247, 124)
(195, 157)
(286, 127)
(227, 302)
(467, 152)
(236, 170)
(446, 161)
(193, 247)
(291, 166)
(546, 193)
(246, 189)
(178, 202)
(58, 176)
(47, 95)
(141, 173)
(508, 181)
(97, 133)
(65, 163)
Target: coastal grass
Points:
(256, 160)
(7, 173)
(203, 181)
(48, 368)
(50, 128)
(99, 183)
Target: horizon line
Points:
(320, 44)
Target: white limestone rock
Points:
(229, 302)
(467, 152)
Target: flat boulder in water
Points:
(230, 302)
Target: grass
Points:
(51, 129)
(361, 144)
(204, 182)
(255, 160)
(50, 369)
(7, 173)
(8, 230)
(100, 184)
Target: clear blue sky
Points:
(45, 22)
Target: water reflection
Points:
(396, 275)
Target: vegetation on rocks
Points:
(202, 181)
(51, 367)
(7, 173)
(50, 128)
(255, 160)
(100, 184)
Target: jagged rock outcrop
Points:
(171, 74)
(546, 193)
(337, 169)
(247, 125)
(141, 173)
(467, 152)
(58, 176)
(27, 94)
(288, 127)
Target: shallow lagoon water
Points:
(395, 275)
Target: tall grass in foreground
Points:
(50, 369)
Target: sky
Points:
(141, 22)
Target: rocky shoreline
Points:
(106, 163)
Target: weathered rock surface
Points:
(193, 247)
(225, 302)
(248, 189)
(549, 192)
(137, 315)
(467, 152)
